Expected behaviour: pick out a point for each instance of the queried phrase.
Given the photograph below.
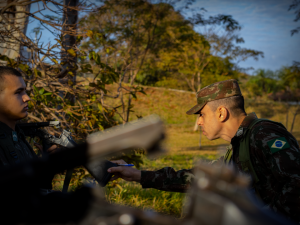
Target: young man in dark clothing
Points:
(13, 107)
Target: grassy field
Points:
(181, 144)
(132, 194)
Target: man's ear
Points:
(222, 113)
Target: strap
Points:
(228, 155)
(244, 149)
(67, 180)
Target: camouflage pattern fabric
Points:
(219, 90)
(22, 149)
(277, 168)
(167, 179)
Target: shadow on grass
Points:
(206, 148)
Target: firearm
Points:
(34, 130)
(97, 168)
(30, 128)
(65, 140)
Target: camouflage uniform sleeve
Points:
(167, 179)
(278, 169)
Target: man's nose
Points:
(200, 121)
(26, 98)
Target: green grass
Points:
(131, 193)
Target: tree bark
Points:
(133, 75)
(294, 118)
(190, 84)
(287, 116)
(199, 81)
(69, 61)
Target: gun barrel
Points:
(54, 123)
(39, 124)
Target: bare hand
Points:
(124, 172)
(49, 150)
(119, 161)
(52, 149)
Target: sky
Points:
(266, 26)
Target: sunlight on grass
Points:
(132, 194)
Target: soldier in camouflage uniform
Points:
(263, 149)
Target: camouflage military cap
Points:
(215, 91)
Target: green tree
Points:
(189, 61)
(131, 33)
(207, 57)
(262, 83)
(290, 77)
(294, 6)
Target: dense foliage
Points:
(154, 44)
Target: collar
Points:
(4, 128)
(245, 124)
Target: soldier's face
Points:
(209, 123)
(13, 98)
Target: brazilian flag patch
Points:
(278, 144)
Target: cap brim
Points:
(196, 109)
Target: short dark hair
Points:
(5, 70)
(234, 104)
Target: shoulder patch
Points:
(278, 144)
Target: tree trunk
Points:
(126, 79)
(69, 60)
(199, 81)
(133, 75)
(294, 118)
(190, 84)
(287, 116)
